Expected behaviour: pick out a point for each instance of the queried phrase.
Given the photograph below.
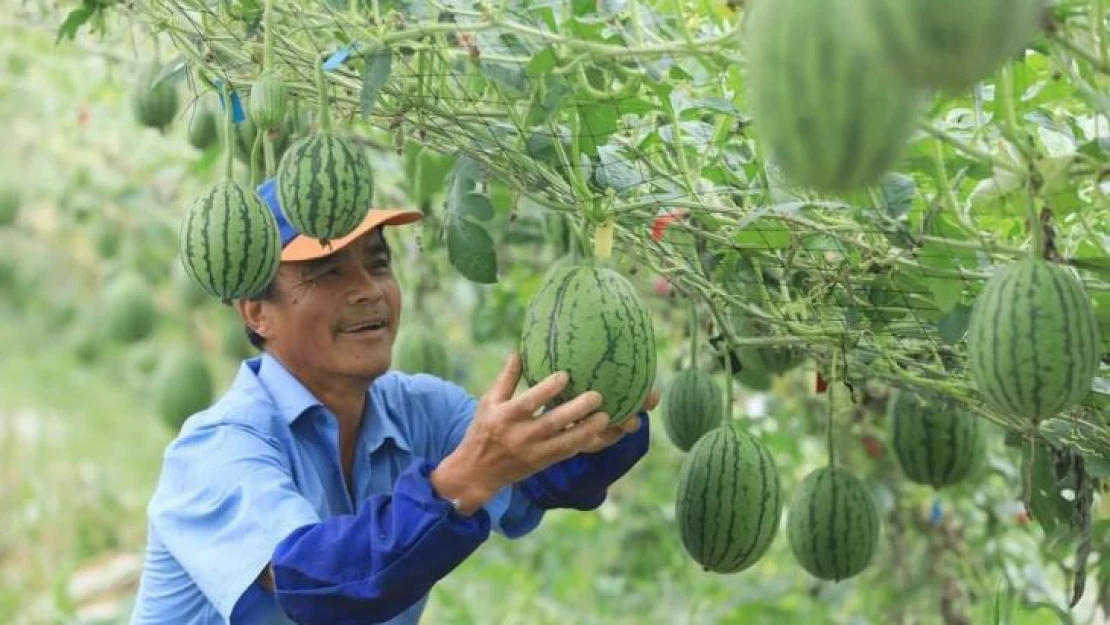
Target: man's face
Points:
(336, 316)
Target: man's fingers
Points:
(505, 384)
(527, 403)
(573, 440)
(561, 417)
(652, 400)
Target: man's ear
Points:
(254, 316)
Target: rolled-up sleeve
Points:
(224, 501)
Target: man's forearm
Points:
(582, 482)
(371, 566)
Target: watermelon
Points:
(692, 406)
(204, 125)
(729, 500)
(267, 101)
(419, 350)
(154, 106)
(952, 44)
(1033, 341)
(129, 311)
(325, 186)
(827, 106)
(184, 387)
(229, 242)
(832, 524)
(589, 321)
(936, 442)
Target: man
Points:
(324, 489)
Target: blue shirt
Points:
(256, 478)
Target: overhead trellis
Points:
(632, 115)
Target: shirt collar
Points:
(290, 397)
(293, 399)
(379, 424)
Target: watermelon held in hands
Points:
(729, 501)
(325, 186)
(828, 107)
(589, 321)
(229, 242)
(832, 524)
(1033, 341)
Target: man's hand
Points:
(506, 442)
(610, 435)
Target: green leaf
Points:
(953, 326)
(946, 293)
(617, 173)
(542, 63)
(598, 121)
(74, 21)
(475, 205)
(471, 251)
(379, 64)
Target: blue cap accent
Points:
(268, 192)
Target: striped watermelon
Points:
(827, 106)
(229, 242)
(267, 101)
(692, 406)
(952, 44)
(729, 500)
(589, 321)
(1033, 341)
(325, 186)
(832, 524)
(153, 105)
(936, 442)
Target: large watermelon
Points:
(589, 321)
(952, 44)
(419, 350)
(325, 186)
(936, 442)
(826, 104)
(729, 500)
(229, 242)
(692, 406)
(1033, 341)
(832, 524)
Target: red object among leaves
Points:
(661, 222)
(822, 384)
(873, 446)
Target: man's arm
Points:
(227, 509)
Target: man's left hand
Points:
(614, 433)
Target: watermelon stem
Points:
(322, 91)
(693, 333)
(603, 239)
(1037, 232)
(229, 128)
(726, 416)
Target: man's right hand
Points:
(506, 443)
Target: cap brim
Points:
(307, 248)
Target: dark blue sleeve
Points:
(582, 482)
(371, 566)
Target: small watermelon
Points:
(325, 186)
(692, 406)
(833, 524)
